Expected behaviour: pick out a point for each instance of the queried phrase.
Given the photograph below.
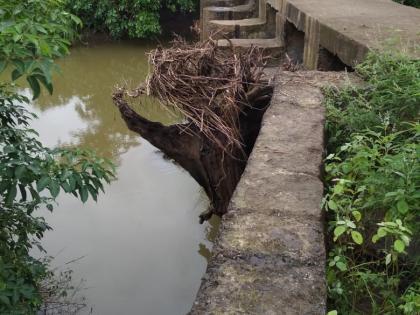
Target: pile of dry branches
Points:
(210, 86)
(222, 96)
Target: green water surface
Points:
(141, 247)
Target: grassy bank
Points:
(373, 190)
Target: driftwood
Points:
(222, 96)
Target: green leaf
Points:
(45, 83)
(357, 215)
(399, 246)
(338, 231)
(4, 299)
(76, 20)
(34, 193)
(20, 65)
(332, 205)
(42, 183)
(350, 224)
(54, 188)
(388, 259)
(83, 193)
(45, 48)
(22, 192)
(9, 149)
(16, 74)
(375, 238)
(34, 84)
(66, 187)
(402, 206)
(342, 266)
(46, 69)
(3, 65)
(72, 183)
(357, 237)
(11, 194)
(382, 232)
(405, 239)
(338, 189)
(93, 192)
(17, 37)
(19, 171)
(334, 312)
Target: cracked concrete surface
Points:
(270, 254)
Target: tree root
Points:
(223, 98)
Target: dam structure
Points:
(270, 255)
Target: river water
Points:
(141, 249)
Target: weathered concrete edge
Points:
(321, 30)
(347, 49)
(269, 257)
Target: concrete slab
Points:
(270, 255)
(262, 287)
(349, 28)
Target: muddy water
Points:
(141, 249)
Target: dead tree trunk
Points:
(197, 146)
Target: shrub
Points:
(125, 18)
(32, 34)
(373, 189)
(33, 176)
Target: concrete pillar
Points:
(204, 19)
(262, 8)
(281, 20)
(202, 3)
(311, 45)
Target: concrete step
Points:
(223, 3)
(238, 12)
(244, 28)
(244, 42)
(273, 47)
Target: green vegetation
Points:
(32, 34)
(411, 3)
(373, 190)
(125, 18)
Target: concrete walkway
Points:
(270, 255)
(349, 28)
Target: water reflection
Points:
(211, 234)
(85, 85)
(144, 251)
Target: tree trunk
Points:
(215, 170)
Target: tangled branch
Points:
(210, 86)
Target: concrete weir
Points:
(346, 29)
(270, 255)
